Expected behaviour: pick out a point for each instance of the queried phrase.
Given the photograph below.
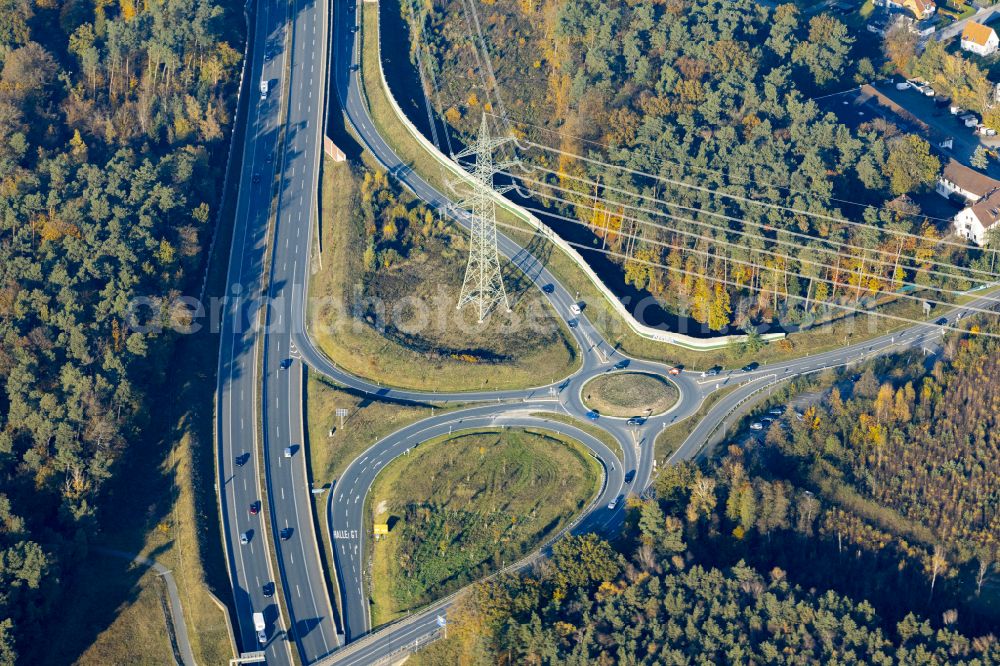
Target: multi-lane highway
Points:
(261, 368)
(276, 202)
(237, 408)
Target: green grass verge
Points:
(462, 506)
(670, 439)
(627, 394)
(592, 430)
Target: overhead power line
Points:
(725, 174)
(873, 313)
(612, 205)
(738, 197)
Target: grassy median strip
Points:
(461, 506)
(600, 434)
(670, 439)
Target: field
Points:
(397, 324)
(461, 507)
(630, 394)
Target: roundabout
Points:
(626, 394)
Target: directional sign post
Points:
(443, 623)
(341, 412)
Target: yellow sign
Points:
(381, 529)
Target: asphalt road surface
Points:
(274, 359)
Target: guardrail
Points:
(648, 332)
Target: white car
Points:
(288, 452)
(757, 426)
(245, 538)
(575, 308)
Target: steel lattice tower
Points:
(483, 284)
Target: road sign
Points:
(441, 621)
(341, 412)
(381, 529)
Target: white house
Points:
(974, 221)
(956, 178)
(979, 39)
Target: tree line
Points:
(726, 96)
(112, 120)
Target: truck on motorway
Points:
(259, 626)
(263, 88)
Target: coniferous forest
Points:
(114, 119)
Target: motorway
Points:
(276, 202)
(264, 347)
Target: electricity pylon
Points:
(483, 284)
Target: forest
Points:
(689, 141)
(862, 532)
(113, 119)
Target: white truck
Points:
(263, 88)
(259, 627)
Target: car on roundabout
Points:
(593, 415)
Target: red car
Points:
(255, 508)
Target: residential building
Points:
(958, 179)
(979, 39)
(976, 220)
(921, 9)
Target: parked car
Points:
(956, 110)
(902, 85)
(776, 411)
(756, 425)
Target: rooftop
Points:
(976, 33)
